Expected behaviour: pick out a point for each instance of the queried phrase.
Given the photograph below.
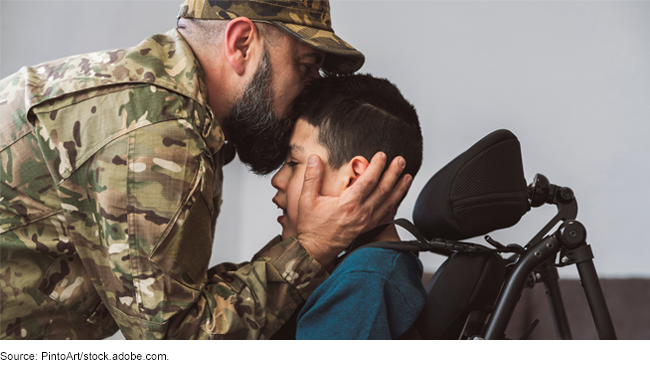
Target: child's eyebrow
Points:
(295, 147)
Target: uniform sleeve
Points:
(144, 217)
(371, 296)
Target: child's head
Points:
(345, 120)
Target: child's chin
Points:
(287, 233)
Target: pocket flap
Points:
(66, 282)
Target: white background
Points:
(345, 353)
(570, 79)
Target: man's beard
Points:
(260, 137)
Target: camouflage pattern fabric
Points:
(110, 177)
(309, 21)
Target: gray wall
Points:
(570, 79)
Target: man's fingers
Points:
(313, 179)
(388, 208)
(386, 186)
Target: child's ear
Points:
(358, 166)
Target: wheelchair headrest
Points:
(480, 191)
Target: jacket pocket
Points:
(184, 249)
(67, 282)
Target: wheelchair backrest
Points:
(464, 283)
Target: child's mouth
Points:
(284, 211)
(281, 217)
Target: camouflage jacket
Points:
(111, 175)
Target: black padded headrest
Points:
(480, 191)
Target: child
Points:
(374, 293)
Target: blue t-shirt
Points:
(375, 293)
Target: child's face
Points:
(288, 180)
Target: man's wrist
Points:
(323, 254)
(295, 265)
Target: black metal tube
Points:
(596, 300)
(515, 283)
(558, 313)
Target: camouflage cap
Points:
(308, 21)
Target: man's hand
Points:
(327, 225)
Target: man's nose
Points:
(315, 75)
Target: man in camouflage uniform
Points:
(111, 175)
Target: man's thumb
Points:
(313, 177)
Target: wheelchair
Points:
(475, 291)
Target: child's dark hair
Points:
(360, 115)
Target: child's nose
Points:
(277, 181)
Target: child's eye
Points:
(291, 163)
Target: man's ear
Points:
(240, 35)
(357, 166)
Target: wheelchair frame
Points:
(538, 258)
(535, 263)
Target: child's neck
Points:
(388, 234)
